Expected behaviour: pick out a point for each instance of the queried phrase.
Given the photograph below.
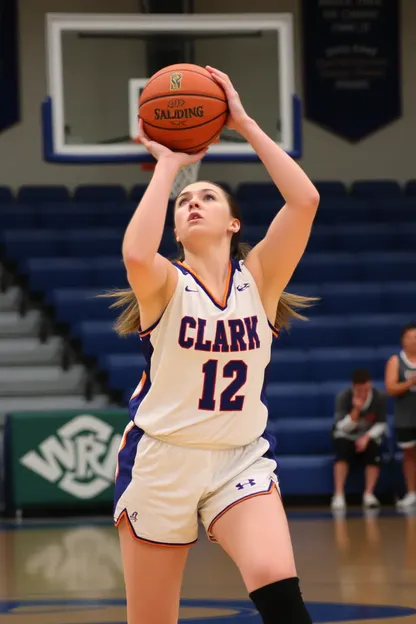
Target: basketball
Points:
(183, 108)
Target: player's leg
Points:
(255, 534)
(153, 578)
(406, 441)
(344, 452)
(372, 459)
(156, 502)
(245, 515)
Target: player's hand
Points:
(357, 402)
(159, 151)
(362, 443)
(237, 117)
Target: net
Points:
(186, 175)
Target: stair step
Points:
(36, 380)
(27, 351)
(48, 403)
(9, 301)
(13, 324)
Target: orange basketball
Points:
(183, 108)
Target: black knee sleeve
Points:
(281, 603)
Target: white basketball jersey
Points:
(206, 364)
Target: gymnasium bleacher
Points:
(361, 260)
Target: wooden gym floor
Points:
(353, 569)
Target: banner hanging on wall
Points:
(9, 64)
(351, 65)
(62, 458)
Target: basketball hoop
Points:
(186, 175)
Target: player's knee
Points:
(281, 602)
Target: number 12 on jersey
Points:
(229, 400)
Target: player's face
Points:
(362, 390)
(409, 341)
(202, 211)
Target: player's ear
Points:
(235, 226)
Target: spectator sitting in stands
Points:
(360, 424)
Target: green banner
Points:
(62, 458)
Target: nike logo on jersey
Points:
(241, 287)
(225, 336)
(190, 289)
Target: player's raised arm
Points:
(275, 258)
(148, 271)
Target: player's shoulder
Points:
(345, 394)
(394, 359)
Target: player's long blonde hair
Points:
(128, 321)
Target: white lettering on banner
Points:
(81, 458)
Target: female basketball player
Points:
(196, 444)
(400, 380)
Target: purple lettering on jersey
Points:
(186, 342)
(238, 331)
(220, 340)
(241, 335)
(200, 345)
(252, 335)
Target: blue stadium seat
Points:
(95, 242)
(395, 211)
(288, 365)
(365, 189)
(322, 239)
(63, 216)
(6, 195)
(258, 191)
(301, 475)
(386, 267)
(371, 330)
(252, 234)
(137, 192)
(73, 305)
(302, 436)
(328, 267)
(330, 188)
(124, 371)
(21, 244)
(332, 363)
(39, 194)
(364, 237)
(99, 339)
(339, 211)
(410, 188)
(400, 298)
(352, 298)
(317, 332)
(258, 212)
(295, 400)
(49, 273)
(100, 193)
(18, 217)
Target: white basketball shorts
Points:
(162, 489)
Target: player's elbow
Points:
(135, 258)
(312, 200)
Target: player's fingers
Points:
(142, 136)
(218, 72)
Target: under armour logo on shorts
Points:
(133, 516)
(249, 482)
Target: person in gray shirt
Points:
(359, 428)
(400, 380)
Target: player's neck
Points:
(212, 266)
(411, 356)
